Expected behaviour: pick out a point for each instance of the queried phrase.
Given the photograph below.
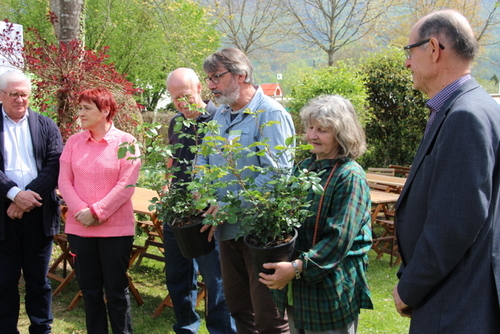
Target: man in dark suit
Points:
(30, 146)
(448, 215)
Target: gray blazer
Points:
(447, 220)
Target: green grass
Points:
(383, 319)
(150, 281)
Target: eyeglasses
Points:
(411, 46)
(15, 95)
(215, 78)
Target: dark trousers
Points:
(248, 300)
(26, 249)
(101, 263)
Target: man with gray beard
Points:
(231, 81)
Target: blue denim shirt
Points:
(249, 125)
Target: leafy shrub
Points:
(397, 111)
(61, 70)
(342, 79)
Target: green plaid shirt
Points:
(333, 287)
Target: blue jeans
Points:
(181, 278)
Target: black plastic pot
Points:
(191, 242)
(261, 255)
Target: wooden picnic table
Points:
(141, 201)
(380, 200)
(395, 182)
(383, 215)
(154, 229)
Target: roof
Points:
(272, 89)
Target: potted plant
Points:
(269, 214)
(270, 225)
(177, 208)
(175, 204)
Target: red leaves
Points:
(61, 71)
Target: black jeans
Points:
(102, 263)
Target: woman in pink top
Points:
(100, 219)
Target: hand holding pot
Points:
(284, 272)
(212, 210)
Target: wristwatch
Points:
(296, 269)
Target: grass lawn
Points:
(383, 319)
(150, 281)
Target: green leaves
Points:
(125, 148)
(268, 211)
(398, 113)
(279, 207)
(343, 79)
(149, 38)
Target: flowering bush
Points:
(61, 70)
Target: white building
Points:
(15, 36)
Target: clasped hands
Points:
(85, 218)
(25, 201)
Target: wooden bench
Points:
(402, 171)
(384, 241)
(384, 171)
(396, 183)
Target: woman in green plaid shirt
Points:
(325, 287)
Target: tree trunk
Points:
(330, 57)
(69, 26)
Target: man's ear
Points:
(242, 78)
(435, 48)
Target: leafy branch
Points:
(269, 211)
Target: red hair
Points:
(102, 98)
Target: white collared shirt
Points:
(19, 158)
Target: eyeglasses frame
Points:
(414, 45)
(215, 78)
(15, 95)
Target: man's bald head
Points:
(452, 29)
(184, 75)
(184, 88)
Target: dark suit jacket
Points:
(47, 147)
(447, 220)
